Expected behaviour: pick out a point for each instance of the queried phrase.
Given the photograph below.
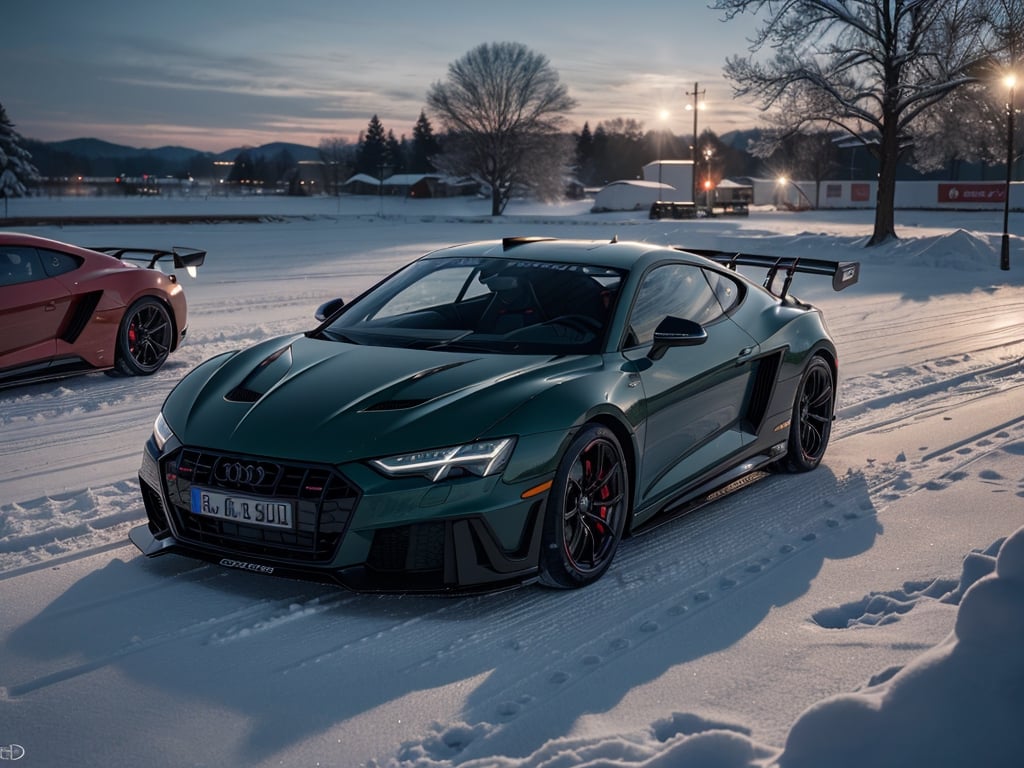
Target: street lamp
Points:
(709, 152)
(697, 105)
(1010, 81)
(664, 115)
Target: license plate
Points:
(242, 509)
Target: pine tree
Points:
(371, 155)
(243, 171)
(16, 169)
(585, 155)
(424, 146)
(394, 156)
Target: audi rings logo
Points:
(240, 474)
(11, 751)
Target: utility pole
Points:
(697, 93)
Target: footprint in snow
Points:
(508, 709)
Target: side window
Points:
(19, 265)
(725, 288)
(679, 290)
(57, 263)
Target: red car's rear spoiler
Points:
(183, 258)
(843, 273)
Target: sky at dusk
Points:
(215, 75)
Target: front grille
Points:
(323, 500)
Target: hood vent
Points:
(242, 395)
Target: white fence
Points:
(935, 195)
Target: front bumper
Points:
(353, 527)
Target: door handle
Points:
(745, 354)
(50, 306)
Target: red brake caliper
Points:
(132, 337)
(604, 493)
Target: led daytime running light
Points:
(161, 431)
(486, 457)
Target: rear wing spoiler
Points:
(182, 258)
(843, 273)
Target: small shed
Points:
(632, 195)
(677, 173)
(729, 192)
(416, 185)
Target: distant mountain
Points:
(741, 139)
(97, 148)
(95, 157)
(93, 149)
(268, 151)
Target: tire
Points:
(813, 410)
(586, 510)
(144, 338)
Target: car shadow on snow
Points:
(296, 661)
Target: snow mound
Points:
(958, 704)
(960, 249)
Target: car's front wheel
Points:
(143, 338)
(586, 510)
(811, 423)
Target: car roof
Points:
(35, 241)
(615, 253)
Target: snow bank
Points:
(959, 704)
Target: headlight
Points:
(161, 432)
(487, 457)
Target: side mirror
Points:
(676, 332)
(327, 309)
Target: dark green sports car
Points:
(494, 414)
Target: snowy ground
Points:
(812, 620)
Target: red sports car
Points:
(66, 309)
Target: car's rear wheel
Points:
(811, 423)
(586, 510)
(144, 338)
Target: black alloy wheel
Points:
(586, 510)
(813, 410)
(144, 338)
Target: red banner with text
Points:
(976, 192)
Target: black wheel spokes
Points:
(815, 414)
(592, 504)
(149, 337)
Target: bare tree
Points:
(336, 154)
(868, 67)
(970, 125)
(967, 126)
(503, 106)
(810, 156)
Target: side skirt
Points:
(735, 479)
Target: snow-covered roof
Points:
(397, 179)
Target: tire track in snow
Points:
(193, 630)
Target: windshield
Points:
(498, 305)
